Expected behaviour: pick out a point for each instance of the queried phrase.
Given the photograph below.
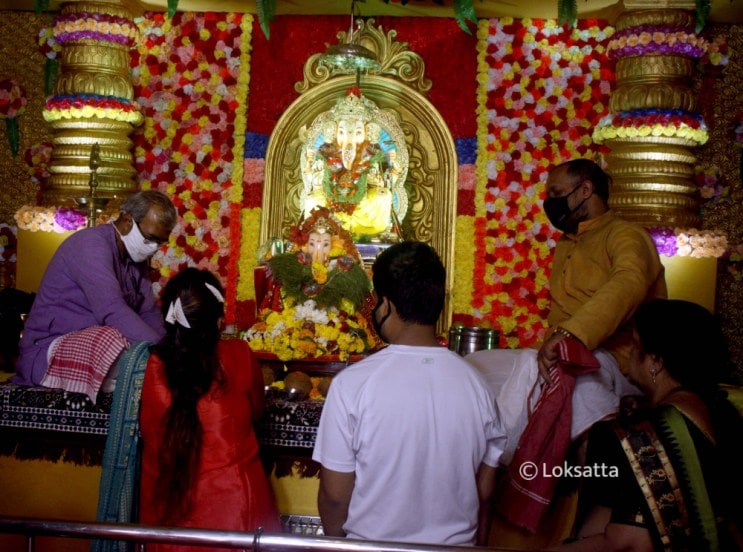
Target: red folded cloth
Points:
(545, 440)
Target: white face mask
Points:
(138, 248)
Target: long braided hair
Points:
(189, 353)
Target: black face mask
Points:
(378, 325)
(559, 212)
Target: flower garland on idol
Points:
(340, 280)
(315, 303)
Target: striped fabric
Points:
(82, 359)
(117, 494)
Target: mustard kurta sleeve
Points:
(600, 276)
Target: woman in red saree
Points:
(666, 475)
(201, 395)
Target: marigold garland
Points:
(243, 82)
(232, 266)
(303, 330)
(236, 190)
(251, 225)
(463, 268)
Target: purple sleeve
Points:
(95, 273)
(150, 310)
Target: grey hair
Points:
(139, 204)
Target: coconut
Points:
(298, 383)
(324, 385)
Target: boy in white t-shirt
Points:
(409, 438)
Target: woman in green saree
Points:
(668, 475)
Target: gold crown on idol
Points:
(354, 105)
(321, 221)
(324, 226)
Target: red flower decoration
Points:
(12, 99)
(304, 258)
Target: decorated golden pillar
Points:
(92, 102)
(653, 127)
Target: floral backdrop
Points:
(529, 94)
(541, 91)
(546, 89)
(190, 77)
(519, 97)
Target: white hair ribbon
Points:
(176, 314)
(215, 292)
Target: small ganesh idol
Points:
(317, 295)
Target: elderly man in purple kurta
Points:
(96, 299)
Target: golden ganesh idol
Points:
(354, 162)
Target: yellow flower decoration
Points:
(319, 272)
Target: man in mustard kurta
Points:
(604, 267)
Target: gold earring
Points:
(653, 372)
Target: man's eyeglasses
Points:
(150, 239)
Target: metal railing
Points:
(257, 541)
